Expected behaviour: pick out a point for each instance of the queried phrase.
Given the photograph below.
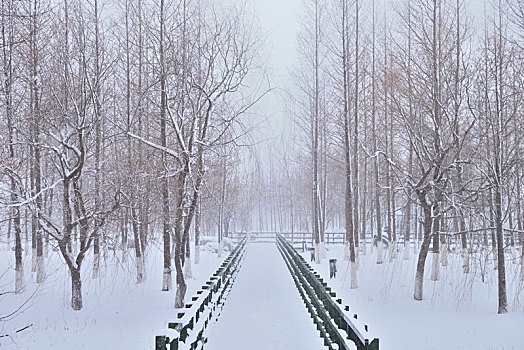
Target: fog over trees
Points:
(132, 126)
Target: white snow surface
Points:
(457, 312)
(264, 310)
(117, 312)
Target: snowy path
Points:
(264, 309)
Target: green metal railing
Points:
(335, 325)
(188, 331)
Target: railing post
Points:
(160, 342)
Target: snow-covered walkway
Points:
(264, 309)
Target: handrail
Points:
(187, 332)
(298, 237)
(334, 324)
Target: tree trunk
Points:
(391, 184)
(188, 273)
(144, 223)
(19, 268)
(179, 247)
(123, 229)
(138, 251)
(387, 133)
(14, 222)
(180, 281)
(166, 279)
(349, 178)
(37, 176)
(409, 210)
(378, 215)
(424, 249)
(435, 231)
(355, 174)
(416, 233)
(98, 139)
(444, 242)
(315, 191)
(503, 300)
(76, 288)
(492, 224)
(197, 232)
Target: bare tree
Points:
(8, 16)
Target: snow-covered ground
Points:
(117, 312)
(458, 311)
(264, 310)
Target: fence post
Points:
(160, 342)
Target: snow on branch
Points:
(166, 150)
(33, 198)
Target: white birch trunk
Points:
(96, 266)
(322, 250)
(514, 254)
(105, 256)
(495, 259)
(317, 253)
(33, 259)
(74, 246)
(40, 272)
(140, 277)
(406, 251)
(188, 273)
(395, 249)
(435, 267)
(220, 248)
(354, 282)
(347, 254)
(166, 280)
(357, 259)
(444, 255)
(380, 253)
(197, 254)
(19, 280)
(173, 247)
(465, 260)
